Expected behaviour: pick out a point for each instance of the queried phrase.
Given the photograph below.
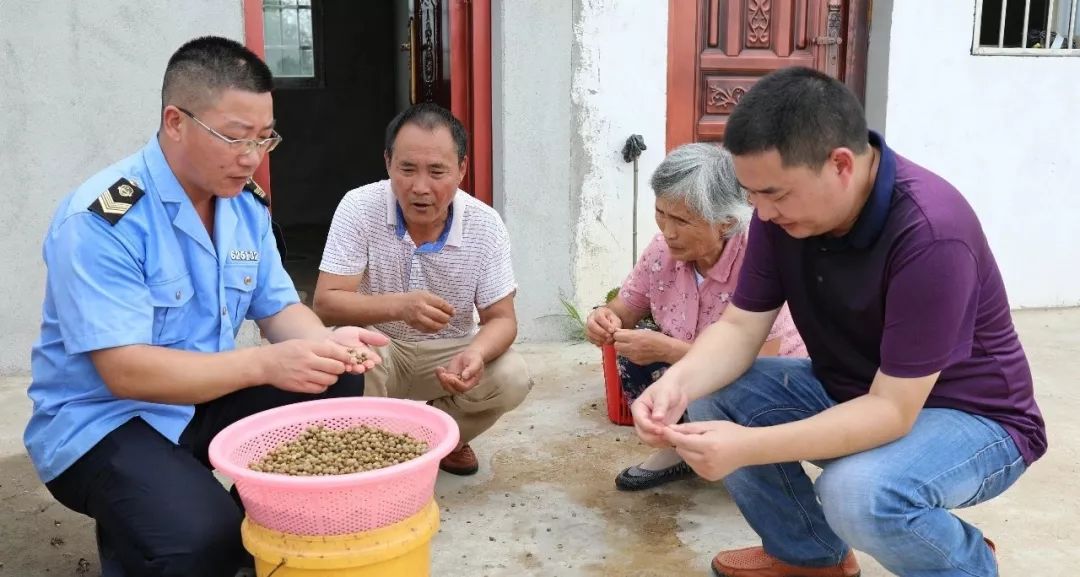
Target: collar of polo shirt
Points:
(451, 234)
(874, 213)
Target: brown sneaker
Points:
(755, 562)
(461, 461)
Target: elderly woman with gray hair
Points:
(684, 279)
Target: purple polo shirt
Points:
(912, 289)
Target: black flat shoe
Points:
(637, 479)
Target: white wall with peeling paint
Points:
(81, 90)
(619, 89)
(572, 80)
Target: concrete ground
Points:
(544, 501)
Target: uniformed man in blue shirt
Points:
(153, 264)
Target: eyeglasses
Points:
(241, 145)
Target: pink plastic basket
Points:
(334, 504)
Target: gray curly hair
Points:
(703, 176)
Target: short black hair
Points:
(429, 117)
(204, 67)
(801, 113)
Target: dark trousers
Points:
(636, 378)
(158, 508)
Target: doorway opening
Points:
(342, 71)
(340, 77)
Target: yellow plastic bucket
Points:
(403, 548)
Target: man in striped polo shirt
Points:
(420, 260)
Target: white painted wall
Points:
(1002, 129)
(572, 80)
(81, 89)
(531, 132)
(619, 89)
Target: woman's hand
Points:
(601, 326)
(642, 346)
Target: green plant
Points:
(577, 320)
(578, 331)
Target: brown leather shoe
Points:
(461, 461)
(755, 562)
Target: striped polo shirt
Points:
(471, 270)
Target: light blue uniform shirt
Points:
(154, 278)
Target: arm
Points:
(337, 302)
(673, 350)
(888, 412)
(306, 357)
(132, 367)
(282, 319)
(928, 327)
(498, 329)
(885, 414)
(494, 301)
(628, 316)
(643, 346)
(723, 352)
(678, 349)
(162, 375)
(345, 259)
(295, 321)
(632, 302)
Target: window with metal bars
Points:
(291, 39)
(1026, 28)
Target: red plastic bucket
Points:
(617, 409)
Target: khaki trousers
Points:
(407, 371)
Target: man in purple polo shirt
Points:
(918, 399)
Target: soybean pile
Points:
(322, 451)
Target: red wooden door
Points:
(462, 82)
(717, 49)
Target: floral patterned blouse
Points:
(669, 289)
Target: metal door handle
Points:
(827, 41)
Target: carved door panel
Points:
(717, 49)
(430, 74)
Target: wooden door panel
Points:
(719, 48)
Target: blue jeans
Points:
(891, 502)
